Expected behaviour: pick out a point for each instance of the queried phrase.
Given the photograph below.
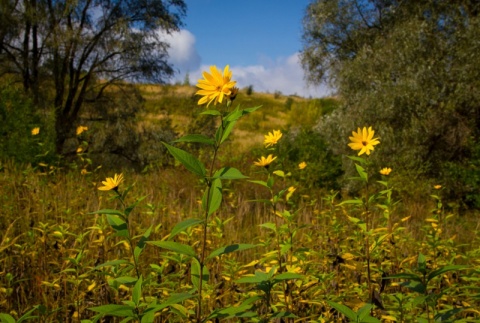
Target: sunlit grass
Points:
(319, 256)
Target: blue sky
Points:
(259, 39)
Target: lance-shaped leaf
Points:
(188, 160)
(231, 248)
(229, 173)
(118, 224)
(213, 197)
(137, 291)
(195, 274)
(175, 247)
(141, 243)
(184, 225)
(350, 314)
(114, 310)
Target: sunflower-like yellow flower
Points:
(35, 131)
(272, 138)
(363, 140)
(385, 171)
(437, 187)
(81, 129)
(264, 162)
(302, 165)
(111, 183)
(214, 86)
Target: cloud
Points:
(182, 52)
(281, 74)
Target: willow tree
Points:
(82, 47)
(408, 68)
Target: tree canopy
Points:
(408, 68)
(80, 48)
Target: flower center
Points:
(364, 143)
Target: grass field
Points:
(227, 240)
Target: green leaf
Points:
(227, 130)
(361, 172)
(6, 318)
(361, 160)
(114, 310)
(364, 311)
(188, 160)
(174, 299)
(202, 139)
(287, 276)
(214, 198)
(344, 310)
(269, 225)
(28, 316)
(141, 243)
(182, 226)
(229, 173)
(137, 291)
(126, 280)
(421, 264)
(118, 224)
(175, 247)
(443, 270)
(416, 286)
(360, 223)
(130, 208)
(230, 248)
(260, 183)
(195, 274)
(355, 201)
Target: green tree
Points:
(80, 48)
(407, 68)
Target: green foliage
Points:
(306, 145)
(18, 118)
(407, 69)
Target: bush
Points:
(305, 145)
(17, 118)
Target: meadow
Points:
(221, 234)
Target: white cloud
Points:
(182, 52)
(285, 75)
(282, 74)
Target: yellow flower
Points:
(264, 162)
(302, 165)
(363, 140)
(35, 131)
(385, 171)
(215, 86)
(437, 187)
(272, 138)
(84, 172)
(111, 183)
(81, 129)
(79, 150)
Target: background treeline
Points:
(411, 70)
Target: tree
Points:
(408, 68)
(81, 48)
